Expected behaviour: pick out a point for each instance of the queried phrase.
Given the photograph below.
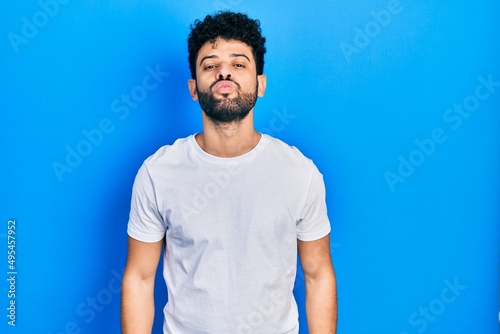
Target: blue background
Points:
(399, 240)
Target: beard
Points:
(225, 109)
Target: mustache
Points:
(230, 80)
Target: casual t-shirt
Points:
(231, 227)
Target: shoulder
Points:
(169, 153)
(168, 161)
(291, 154)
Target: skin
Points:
(227, 59)
(223, 59)
(137, 304)
(321, 285)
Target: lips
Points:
(224, 86)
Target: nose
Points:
(224, 72)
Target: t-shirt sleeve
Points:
(145, 222)
(314, 223)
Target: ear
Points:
(261, 80)
(192, 89)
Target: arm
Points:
(321, 287)
(137, 304)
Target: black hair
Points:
(227, 25)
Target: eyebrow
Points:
(233, 55)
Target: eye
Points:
(209, 67)
(239, 65)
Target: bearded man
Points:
(230, 207)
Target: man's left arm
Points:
(321, 286)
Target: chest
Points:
(220, 207)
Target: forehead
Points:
(221, 47)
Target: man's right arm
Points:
(137, 304)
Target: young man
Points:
(231, 207)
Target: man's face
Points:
(226, 82)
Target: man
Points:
(231, 207)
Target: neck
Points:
(229, 139)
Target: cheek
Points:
(204, 82)
(248, 84)
(201, 87)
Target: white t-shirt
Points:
(231, 227)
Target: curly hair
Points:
(227, 25)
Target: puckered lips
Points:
(225, 87)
